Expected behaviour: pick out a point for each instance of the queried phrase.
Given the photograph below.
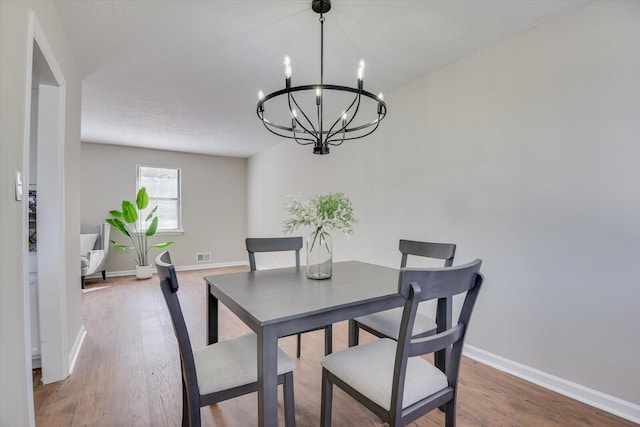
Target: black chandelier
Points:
(306, 131)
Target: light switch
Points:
(18, 186)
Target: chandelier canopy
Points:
(344, 102)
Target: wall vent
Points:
(203, 257)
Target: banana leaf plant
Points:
(127, 221)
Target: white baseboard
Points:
(122, 273)
(611, 404)
(75, 350)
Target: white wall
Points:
(15, 60)
(214, 200)
(526, 155)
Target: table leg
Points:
(267, 377)
(212, 317)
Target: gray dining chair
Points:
(386, 324)
(219, 371)
(388, 377)
(281, 244)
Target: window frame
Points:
(178, 199)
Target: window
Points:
(163, 189)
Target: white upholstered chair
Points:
(94, 247)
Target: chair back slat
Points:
(433, 343)
(444, 251)
(272, 244)
(439, 282)
(169, 287)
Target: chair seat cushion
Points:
(368, 368)
(232, 363)
(388, 323)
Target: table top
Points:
(286, 295)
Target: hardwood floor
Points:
(128, 372)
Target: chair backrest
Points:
(272, 244)
(445, 251)
(417, 285)
(169, 287)
(102, 229)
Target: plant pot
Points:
(319, 255)
(143, 272)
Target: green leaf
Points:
(153, 227)
(129, 212)
(161, 245)
(142, 199)
(153, 211)
(119, 247)
(119, 225)
(116, 214)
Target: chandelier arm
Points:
(377, 123)
(353, 116)
(289, 98)
(366, 125)
(304, 139)
(342, 128)
(297, 139)
(311, 141)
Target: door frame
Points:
(51, 209)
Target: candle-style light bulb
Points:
(318, 96)
(344, 119)
(260, 95)
(287, 67)
(294, 116)
(361, 67)
(381, 96)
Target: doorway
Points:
(44, 152)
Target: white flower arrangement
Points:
(324, 212)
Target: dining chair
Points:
(386, 324)
(388, 377)
(219, 371)
(280, 244)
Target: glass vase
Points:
(319, 255)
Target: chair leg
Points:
(450, 413)
(354, 333)
(289, 402)
(328, 340)
(298, 345)
(326, 400)
(104, 275)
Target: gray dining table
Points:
(280, 302)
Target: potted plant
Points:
(129, 222)
(324, 213)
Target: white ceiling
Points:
(184, 75)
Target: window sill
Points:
(169, 232)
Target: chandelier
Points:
(309, 127)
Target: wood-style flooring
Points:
(128, 372)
